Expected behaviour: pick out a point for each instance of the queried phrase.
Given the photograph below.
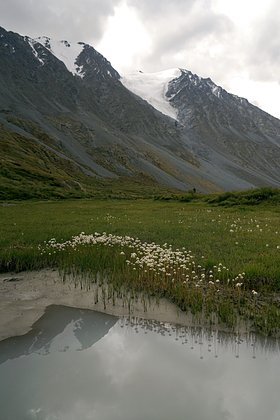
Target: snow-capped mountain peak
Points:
(80, 59)
(153, 87)
(64, 51)
(159, 89)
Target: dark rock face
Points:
(94, 66)
(220, 141)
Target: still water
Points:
(84, 365)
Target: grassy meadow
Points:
(206, 257)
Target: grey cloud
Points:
(153, 8)
(72, 19)
(187, 35)
(180, 26)
(263, 56)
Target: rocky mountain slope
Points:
(172, 129)
(233, 140)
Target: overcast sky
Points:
(235, 42)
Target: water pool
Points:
(84, 365)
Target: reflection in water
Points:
(206, 340)
(79, 364)
(86, 326)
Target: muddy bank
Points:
(25, 296)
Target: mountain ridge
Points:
(218, 141)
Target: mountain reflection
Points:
(61, 328)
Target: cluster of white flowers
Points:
(153, 261)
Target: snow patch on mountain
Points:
(32, 42)
(64, 51)
(152, 87)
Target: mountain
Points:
(233, 140)
(69, 120)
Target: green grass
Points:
(237, 238)
(244, 239)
